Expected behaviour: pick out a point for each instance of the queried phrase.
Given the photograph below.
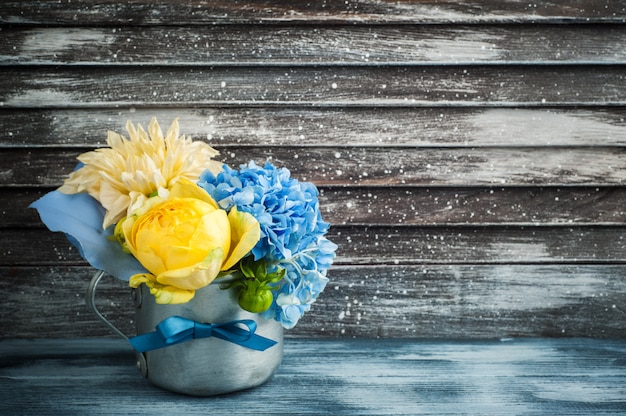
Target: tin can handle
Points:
(91, 304)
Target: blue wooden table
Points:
(333, 377)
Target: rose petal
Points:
(163, 294)
(197, 276)
(245, 233)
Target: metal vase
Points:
(207, 366)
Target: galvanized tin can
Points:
(207, 366)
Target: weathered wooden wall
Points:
(470, 154)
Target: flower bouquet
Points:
(231, 256)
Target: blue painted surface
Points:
(390, 377)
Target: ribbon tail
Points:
(245, 338)
(258, 343)
(148, 342)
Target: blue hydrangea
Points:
(292, 231)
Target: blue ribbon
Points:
(176, 330)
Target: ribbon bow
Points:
(176, 330)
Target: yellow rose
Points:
(184, 240)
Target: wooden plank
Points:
(474, 244)
(144, 12)
(477, 244)
(423, 301)
(378, 166)
(313, 45)
(333, 127)
(424, 206)
(474, 206)
(412, 86)
(476, 301)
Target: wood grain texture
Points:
(470, 154)
(398, 301)
(297, 126)
(144, 12)
(314, 45)
(508, 86)
(357, 377)
(375, 206)
(397, 245)
(491, 167)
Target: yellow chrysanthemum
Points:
(125, 175)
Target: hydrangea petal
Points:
(80, 217)
(292, 230)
